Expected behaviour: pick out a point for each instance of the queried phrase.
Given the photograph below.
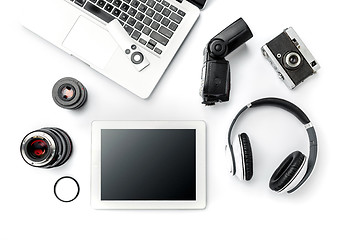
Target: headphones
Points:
(294, 170)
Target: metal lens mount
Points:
(46, 148)
(69, 93)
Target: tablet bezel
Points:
(199, 203)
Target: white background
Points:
(326, 207)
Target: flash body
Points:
(216, 74)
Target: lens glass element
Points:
(37, 149)
(67, 93)
(292, 60)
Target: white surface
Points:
(326, 207)
(200, 171)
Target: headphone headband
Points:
(299, 114)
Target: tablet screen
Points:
(148, 164)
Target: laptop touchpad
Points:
(90, 42)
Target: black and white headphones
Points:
(294, 170)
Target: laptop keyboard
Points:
(150, 22)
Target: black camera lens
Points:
(46, 148)
(69, 93)
(292, 60)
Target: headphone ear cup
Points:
(246, 156)
(287, 171)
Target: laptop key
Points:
(150, 12)
(166, 12)
(155, 25)
(80, 2)
(152, 42)
(146, 30)
(165, 3)
(166, 32)
(151, 3)
(117, 3)
(124, 17)
(176, 18)
(98, 12)
(139, 16)
(165, 22)
(128, 29)
(108, 8)
(139, 26)
(142, 41)
(147, 21)
(142, 8)
(132, 12)
(173, 26)
(181, 13)
(158, 51)
(136, 35)
(158, 7)
(157, 37)
(150, 46)
(131, 21)
(116, 12)
(124, 7)
(135, 3)
(101, 3)
(158, 17)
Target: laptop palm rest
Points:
(90, 43)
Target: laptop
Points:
(157, 27)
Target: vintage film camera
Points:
(290, 58)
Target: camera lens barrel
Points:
(69, 93)
(46, 148)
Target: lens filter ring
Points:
(56, 189)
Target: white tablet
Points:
(148, 165)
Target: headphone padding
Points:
(247, 156)
(286, 171)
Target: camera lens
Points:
(69, 93)
(37, 148)
(292, 60)
(46, 148)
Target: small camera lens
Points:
(292, 60)
(46, 148)
(69, 93)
